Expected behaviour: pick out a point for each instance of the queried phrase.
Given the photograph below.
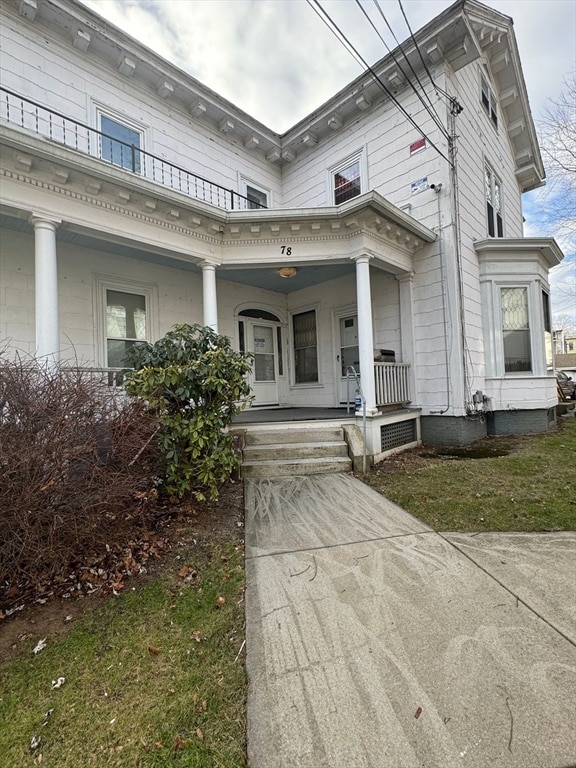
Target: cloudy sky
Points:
(276, 60)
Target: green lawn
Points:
(531, 487)
(154, 677)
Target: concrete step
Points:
(316, 450)
(303, 435)
(283, 468)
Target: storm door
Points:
(348, 355)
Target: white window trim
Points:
(534, 290)
(293, 383)
(492, 100)
(495, 177)
(244, 182)
(103, 283)
(358, 156)
(99, 110)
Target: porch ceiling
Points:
(266, 278)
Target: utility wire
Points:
(381, 12)
(437, 87)
(337, 32)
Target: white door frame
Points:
(340, 383)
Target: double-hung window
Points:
(516, 329)
(120, 143)
(305, 347)
(125, 326)
(493, 195)
(488, 101)
(346, 179)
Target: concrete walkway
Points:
(374, 642)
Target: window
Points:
(488, 101)
(493, 193)
(125, 325)
(256, 197)
(305, 347)
(547, 329)
(516, 330)
(346, 182)
(120, 144)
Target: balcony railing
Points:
(33, 117)
(391, 383)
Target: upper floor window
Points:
(254, 195)
(488, 101)
(347, 182)
(347, 179)
(257, 198)
(120, 143)
(493, 194)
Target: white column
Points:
(365, 332)
(46, 290)
(406, 284)
(209, 295)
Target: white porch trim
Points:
(365, 331)
(210, 303)
(46, 289)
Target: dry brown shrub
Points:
(77, 463)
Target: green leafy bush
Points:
(195, 383)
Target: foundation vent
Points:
(397, 435)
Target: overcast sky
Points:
(277, 61)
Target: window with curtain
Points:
(516, 330)
(347, 183)
(125, 325)
(305, 347)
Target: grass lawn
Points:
(498, 484)
(153, 677)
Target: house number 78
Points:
(286, 250)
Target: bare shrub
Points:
(76, 466)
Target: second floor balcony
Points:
(117, 148)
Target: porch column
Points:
(365, 332)
(406, 284)
(209, 295)
(46, 289)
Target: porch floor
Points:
(280, 415)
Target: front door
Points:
(262, 341)
(348, 356)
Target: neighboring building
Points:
(134, 198)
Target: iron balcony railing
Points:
(31, 116)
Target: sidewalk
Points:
(373, 642)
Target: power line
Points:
(381, 12)
(437, 87)
(428, 107)
(337, 32)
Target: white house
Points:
(134, 198)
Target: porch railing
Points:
(31, 116)
(391, 383)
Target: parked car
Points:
(566, 384)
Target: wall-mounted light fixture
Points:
(287, 271)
